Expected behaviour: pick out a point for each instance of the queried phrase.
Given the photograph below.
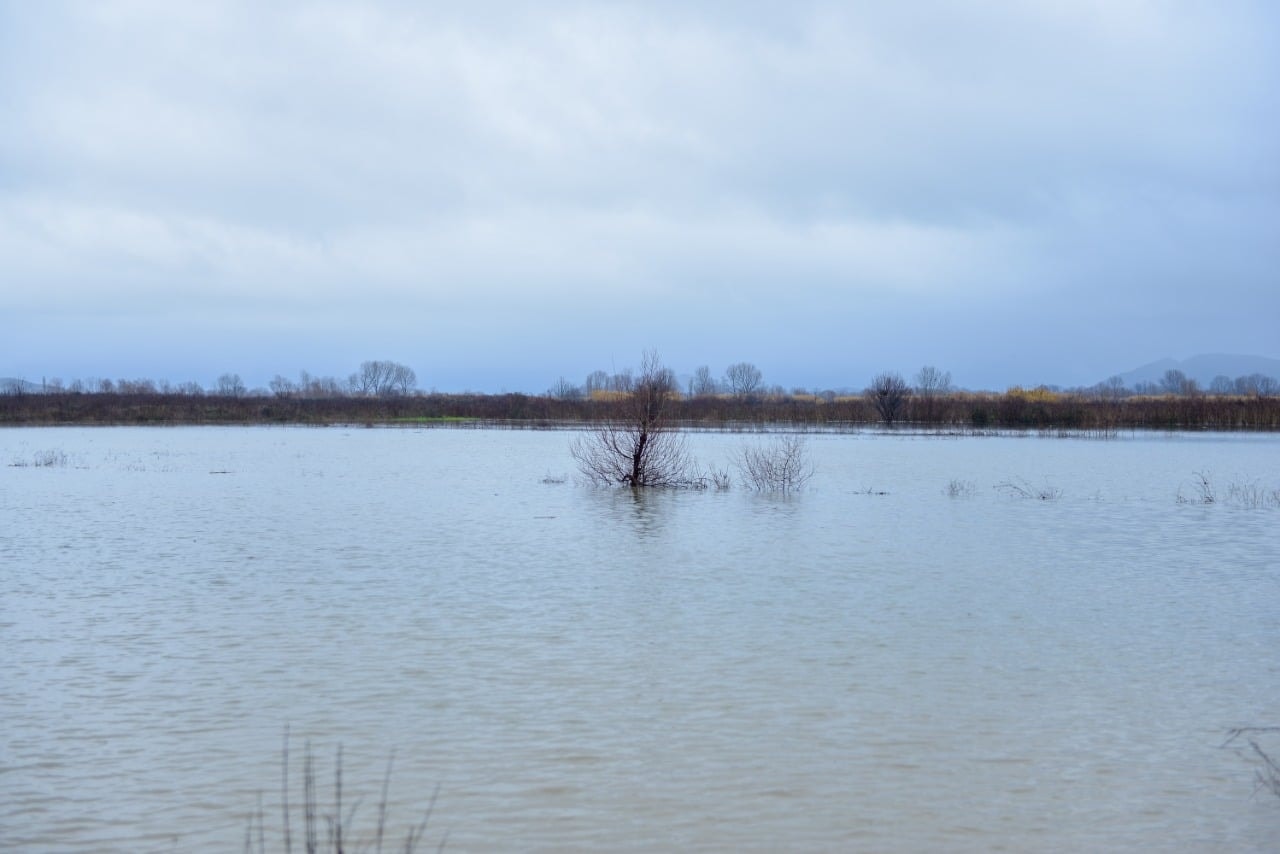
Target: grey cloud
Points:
(1019, 161)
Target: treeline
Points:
(382, 392)
(376, 378)
(1035, 409)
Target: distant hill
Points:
(9, 385)
(1203, 368)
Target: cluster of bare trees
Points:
(641, 444)
(741, 380)
(1176, 383)
(374, 379)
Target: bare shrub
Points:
(960, 489)
(1022, 489)
(1204, 491)
(781, 466)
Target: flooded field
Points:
(976, 643)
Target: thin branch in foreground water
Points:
(340, 821)
(1268, 775)
(1022, 489)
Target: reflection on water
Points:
(590, 669)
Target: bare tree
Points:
(1176, 382)
(383, 379)
(1113, 387)
(403, 380)
(1222, 384)
(1257, 384)
(230, 385)
(622, 381)
(320, 387)
(888, 392)
(564, 390)
(596, 381)
(639, 447)
(140, 386)
(743, 379)
(283, 387)
(931, 383)
(703, 384)
(782, 466)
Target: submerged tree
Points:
(638, 446)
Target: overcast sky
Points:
(505, 193)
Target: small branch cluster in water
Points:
(1204, 492)
(1266, 776)
(1022, 489)
(338, 825)
(55, 458)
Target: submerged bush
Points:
(781, 466)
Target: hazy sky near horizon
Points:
(499, 194)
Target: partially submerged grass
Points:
(1241, 493)
(53, 458)
(1252, 495)
(339, 833)
(960, 489)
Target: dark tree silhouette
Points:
(888, 392)
(743, 379)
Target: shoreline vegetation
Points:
(386, 393)
(958, 412)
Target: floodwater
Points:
(872, 664)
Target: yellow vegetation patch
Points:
(1039, 394)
